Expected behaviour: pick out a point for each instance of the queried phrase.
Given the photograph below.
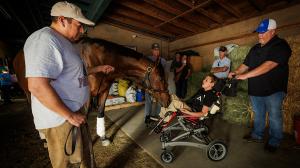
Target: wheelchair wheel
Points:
(167, 157)
(216, 150)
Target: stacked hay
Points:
(237, 109)
(291, 105)
(195, 82)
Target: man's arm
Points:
(240, 70)
(219, 69)
(262, 69)
(106, 69)
(44, 92)
(180, 68)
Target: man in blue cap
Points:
(266, 68)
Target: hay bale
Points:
(291, 104)
(237, 57)
(237, 109)
(194, 83)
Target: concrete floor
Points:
(240, 153)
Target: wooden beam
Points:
(166, 7)
(96, 9)
(149, 10)
(162, 5)
(184, 13)
(211, 16)
(123, 105)
(229, 8)
(207, 14)
(136, 29)
(143, 18)
(288, 26)
(136, 23)
(255, 5)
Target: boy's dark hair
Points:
(213, 78)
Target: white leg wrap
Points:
(100, 127)
(101, 131)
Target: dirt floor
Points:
(21, 147)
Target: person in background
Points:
(176, 63)
(5, 85)
(221, 67)
(183, 73)
(267, 70)
(149, 114)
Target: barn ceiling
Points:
(165, 19)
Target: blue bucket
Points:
(139, 95)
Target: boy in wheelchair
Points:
(197, 106)
(200, 105)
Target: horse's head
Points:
(157, 85)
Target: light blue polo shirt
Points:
(221, 63)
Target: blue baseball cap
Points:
(265, 25)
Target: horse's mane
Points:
(113, 47)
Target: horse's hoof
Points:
(104, 141)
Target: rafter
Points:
(166, 7)
(229, 8)
(211, 16)
(184, 13)
(149, 10)
(255, 5)
(130, 21)
(141, 17)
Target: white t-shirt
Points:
(48, 54)
(221, 63)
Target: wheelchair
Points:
(191, 131)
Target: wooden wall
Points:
(130, 38)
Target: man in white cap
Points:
(57, 80)
(266, 68)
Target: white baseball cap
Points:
(70, 10)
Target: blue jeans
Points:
(148, 106)
(271, 104)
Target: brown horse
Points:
(128, 64)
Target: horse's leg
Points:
(100, 119)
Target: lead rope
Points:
(84, 128)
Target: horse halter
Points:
(147, 84)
